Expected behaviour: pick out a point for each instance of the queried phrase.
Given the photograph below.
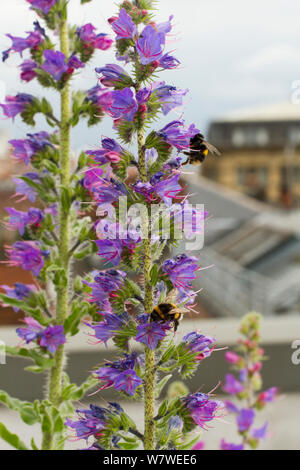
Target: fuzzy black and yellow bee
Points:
(168, 311)
(199, 149)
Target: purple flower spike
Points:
(55, 63)
(150, 45)
(232, 385)
(43, 5)
(123, 26)
(151, 333)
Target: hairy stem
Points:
(55, 382)
(149, 355)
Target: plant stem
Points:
(149, 355)
(64, 235)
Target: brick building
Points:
(260, 153)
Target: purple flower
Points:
(119, 104)
(20, 291)
(123, 26)
(109, 153)
(128, 381)
(16, 104)
(28, 72)
(245, 419)
(104, 285)
(150, 45)
(96, 41)
(177, 135)
(19, 220)
(143, 95)
(49, 338)
(165, 27)
(106, 329)
(170, 97)
(33, 39)
(230, 446)
(52, 337)
(110, 250)
(231, 407)
(268, 395)
(23, 189)
(168, 188)
(92, 422)
(55, 63)
(111, 74)
(260, 433)
(27, 255)
(232, 385)
(200, 344)
(32, 333)
(24, 149)
(43, 5)
(121, 375)
(75, 63)
(202, 409)
(168, 62)
(181, 271)
(151, 333)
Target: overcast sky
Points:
(234, 54)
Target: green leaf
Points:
(25, 409)
(160, 385)
(189, 444)
(11, 438)
(33, 445)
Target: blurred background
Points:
(241, 63)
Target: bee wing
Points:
(181, 310)
(212, 149)
(171, 297)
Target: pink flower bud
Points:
(231, 357)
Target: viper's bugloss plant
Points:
(56, 232)
(246, 388)
(139, 297)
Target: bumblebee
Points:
(168, 312)
(199, 149)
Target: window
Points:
(250, 137)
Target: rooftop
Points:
(283, 111)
